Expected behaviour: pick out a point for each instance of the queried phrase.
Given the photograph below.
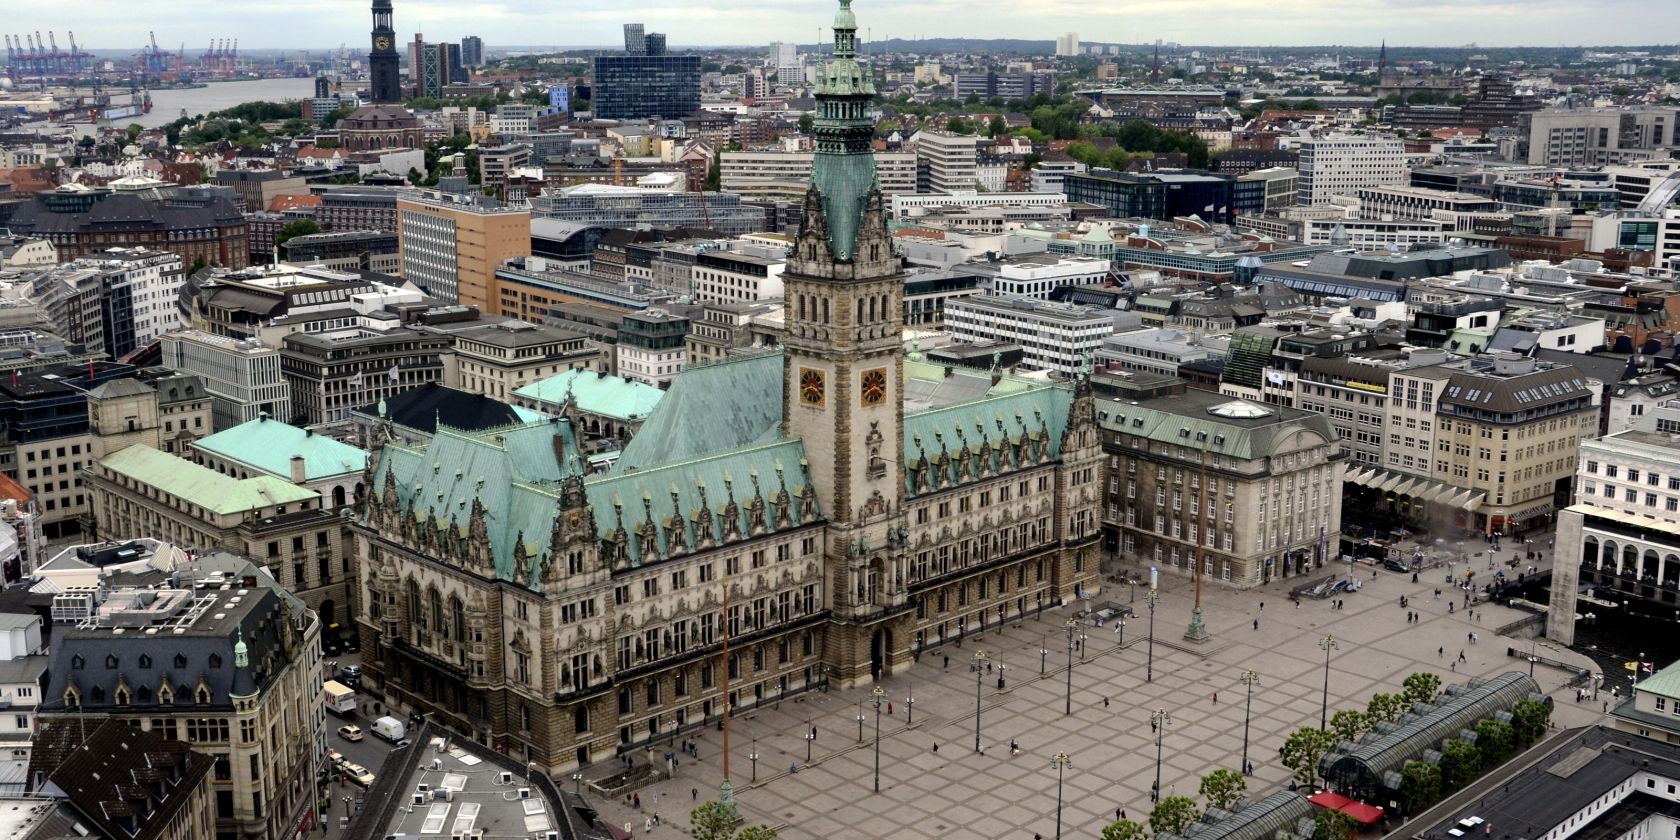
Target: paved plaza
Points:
(957, 792)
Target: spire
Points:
(241, 652)
(1155, 72)
(843, 171)
(1382, 60)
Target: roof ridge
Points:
(602, 478)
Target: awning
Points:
(1359, 811)
(1418, 487)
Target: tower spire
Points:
(843, 172)
(1382, 61)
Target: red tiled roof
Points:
(10, 489)
(282, 203)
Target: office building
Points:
(1339, 165)
(788, 66)
(989, 84)
(347, 251)
(781, 174)
(202, 228)
(1588, 137)
(645, 82)
(1057, 337)
(1233, 491)
(610, 206)
(728, 276)
(497, 359)
(23, 662)
(1155, 195)
(157, 408)
(651, 347)
(242, 375)
(330, 373)
(823, 419)
(950, 160)
(451, 244)
(357, 208)
(226, 660)
(472, 51)
(1622, 532)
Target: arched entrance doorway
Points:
(880, 648)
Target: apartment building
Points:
(951, 161)
(1339, 165)
(736, 277)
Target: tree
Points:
(806, 123)
(958, 125)
(1420, 786)
(1173, 815)
(295, 127)
(1331, 824)
(712, 821)
(1302, 751)
(301, 227)
(134, 130)
(1421, 687)
(1124, 830)
(714, 175)
(198, 265)
(1528, 721)
(1309, 104)
(1493, 741)
(996, 126)
(1222, 788)
(1460, 763)
(1385, 707)
(1349, 725)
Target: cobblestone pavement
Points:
(958, 792)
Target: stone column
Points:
(1566, 579)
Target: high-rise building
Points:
(952, 160)
(451, 244)
(1601, 136)
(1067, 46)
(472, 51)
(383, 73)
(1339, 165)
(645, 82)
(242, 375)
(790, 70)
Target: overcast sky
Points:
(123, 24)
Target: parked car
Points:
(1394, 565)
(350, 732)
(351, 672)
(335, 758)
(357, 773)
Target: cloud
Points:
(319, 24)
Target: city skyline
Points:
(108, 25)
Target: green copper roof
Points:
(710, 408)
(202, 486)
(595, 393)
(987, 427)
(1665, 683)
(843, 170)
(269, 445)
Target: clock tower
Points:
(844, 364)
(386, 82)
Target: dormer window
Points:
(145, 661)
(202, 695)
(180, 661)
(72, 697)
(122, 696)
(110, 662)
(77, 662)
(215, 660)
(166, 695)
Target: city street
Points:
(370, 752)
(933, 783)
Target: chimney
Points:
(298, 474)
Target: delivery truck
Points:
(339, 698)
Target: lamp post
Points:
(1043, 652)
(909, 706)
(979, 666)
(1329, 644)
(1250, 679)
(1152, 596)
(1158, 721)
(860, 720)
(1083, 643)
(577, 783)
(1071, 625)
(1061, 762)
(810, 737)
(878, 693)
(1122, 632)
(753, 757)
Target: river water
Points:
(214, 96)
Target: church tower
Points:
(386, 82)
(843, 360)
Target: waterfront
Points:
(214, 96)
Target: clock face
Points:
(382, 43)
(874, 386)
(811, 386)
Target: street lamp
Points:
(1042, 653)
(1158, 721)
(878, 693)
(909, 706)
(1071, 626)
(1329, 644)
(1122, 632)
(1152, 596)
(860, 720)
(1250, 679)
(810, 736)
(979, 665)
(753, 757)
(1061, 762)
(577, 783)
(1083, 640)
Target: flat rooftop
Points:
(454, 791)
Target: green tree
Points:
(1302, 751)
(134, 130)
(1124, 830)
(198, 265)
(1173, 815)
(734, 69)
(1460, 763)
(996, 126)
(414, 177)
(1420, 786)
(1331, 824)
(1349, 725)
(1222, 788)
(714, 175)
(1385, 707)
(1421, 687)
(958, 125)
(1493, 741)
(301, 227)
(295, 127)
(712, 821)
(1309, 104)
(1528, 721)
(806, 123)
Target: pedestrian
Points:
(1607, 707)
(1105, 702)
(1297, 603)
(647, 825)
(1122, 813)
(1262, 606)
(694, 793)
(1216, 698)
(1461, 657)
(1257, 624)
(636, 801)
(656, 818)
(936, 748)
(889, 708)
